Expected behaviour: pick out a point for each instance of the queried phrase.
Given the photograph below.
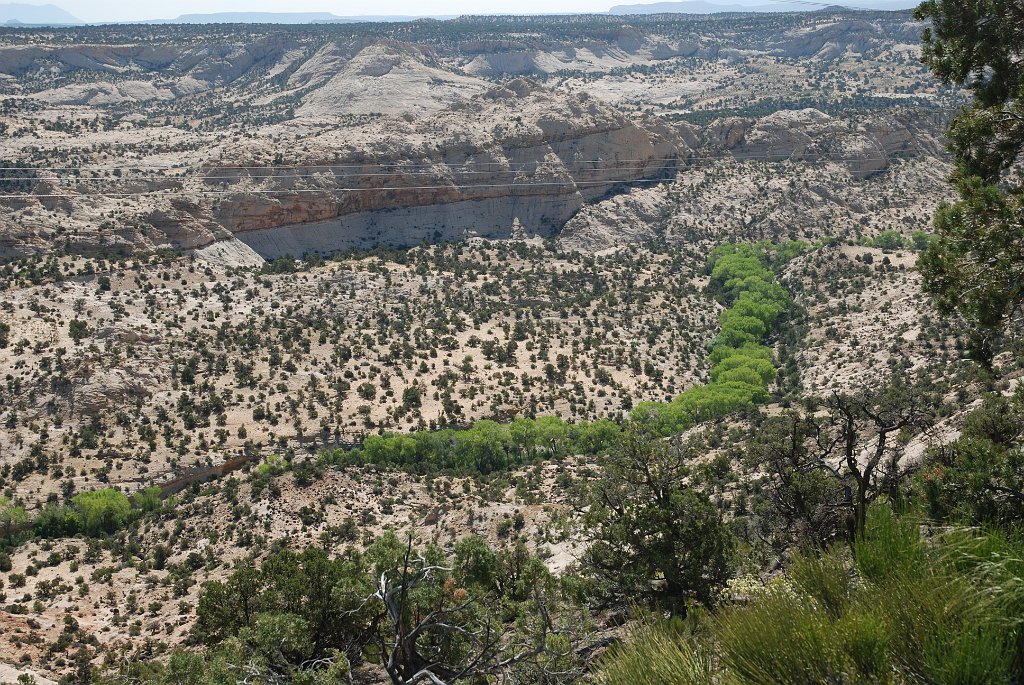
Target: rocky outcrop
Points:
(230, 252)
(517, 155)
(636, 217)
(742, 201)
(791, 173)
(354, 136)
(390, 77)
(865, 145)
(11, 674)
(837, 37)
(213, 63)
(493, 218)
(102, 389)
(104, 93)
(186, 224)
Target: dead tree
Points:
(406, 650)
(861, 440)
(858, 439)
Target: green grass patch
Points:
(902, 609)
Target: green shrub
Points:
(147, 500)
(782, 638)
(890, 547)
(865, 637)
(653, 655)
(57, 522)
(888, 240)
(823, 578)
(921, 240)
(907, 611)
(979, 477)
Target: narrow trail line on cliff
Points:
(685, 164)
(475, 167)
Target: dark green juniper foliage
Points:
(827, 466)
(655, 536)
(980, 476)
(976, 266)
(422, 615)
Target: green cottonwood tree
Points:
(102, 511)
(12, 518)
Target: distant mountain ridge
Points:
(20, 14)
(254, 18)
(15, 14)
(704, 7)
(24, 14)
(285, 18)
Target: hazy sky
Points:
(128, 10)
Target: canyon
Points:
(280, 141)
(275, 288)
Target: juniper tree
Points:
(975, 268)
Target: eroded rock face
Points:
(789, 174)
(810, 135)
(106, 93)
(289, 142)
(186, 224)
(498, 217)
(636, 217)
(395, 78)
(514, 154)
(215, 63)
(517, 154)
(748, 200)
(865, 145)
(101, 389)
(831, 40)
